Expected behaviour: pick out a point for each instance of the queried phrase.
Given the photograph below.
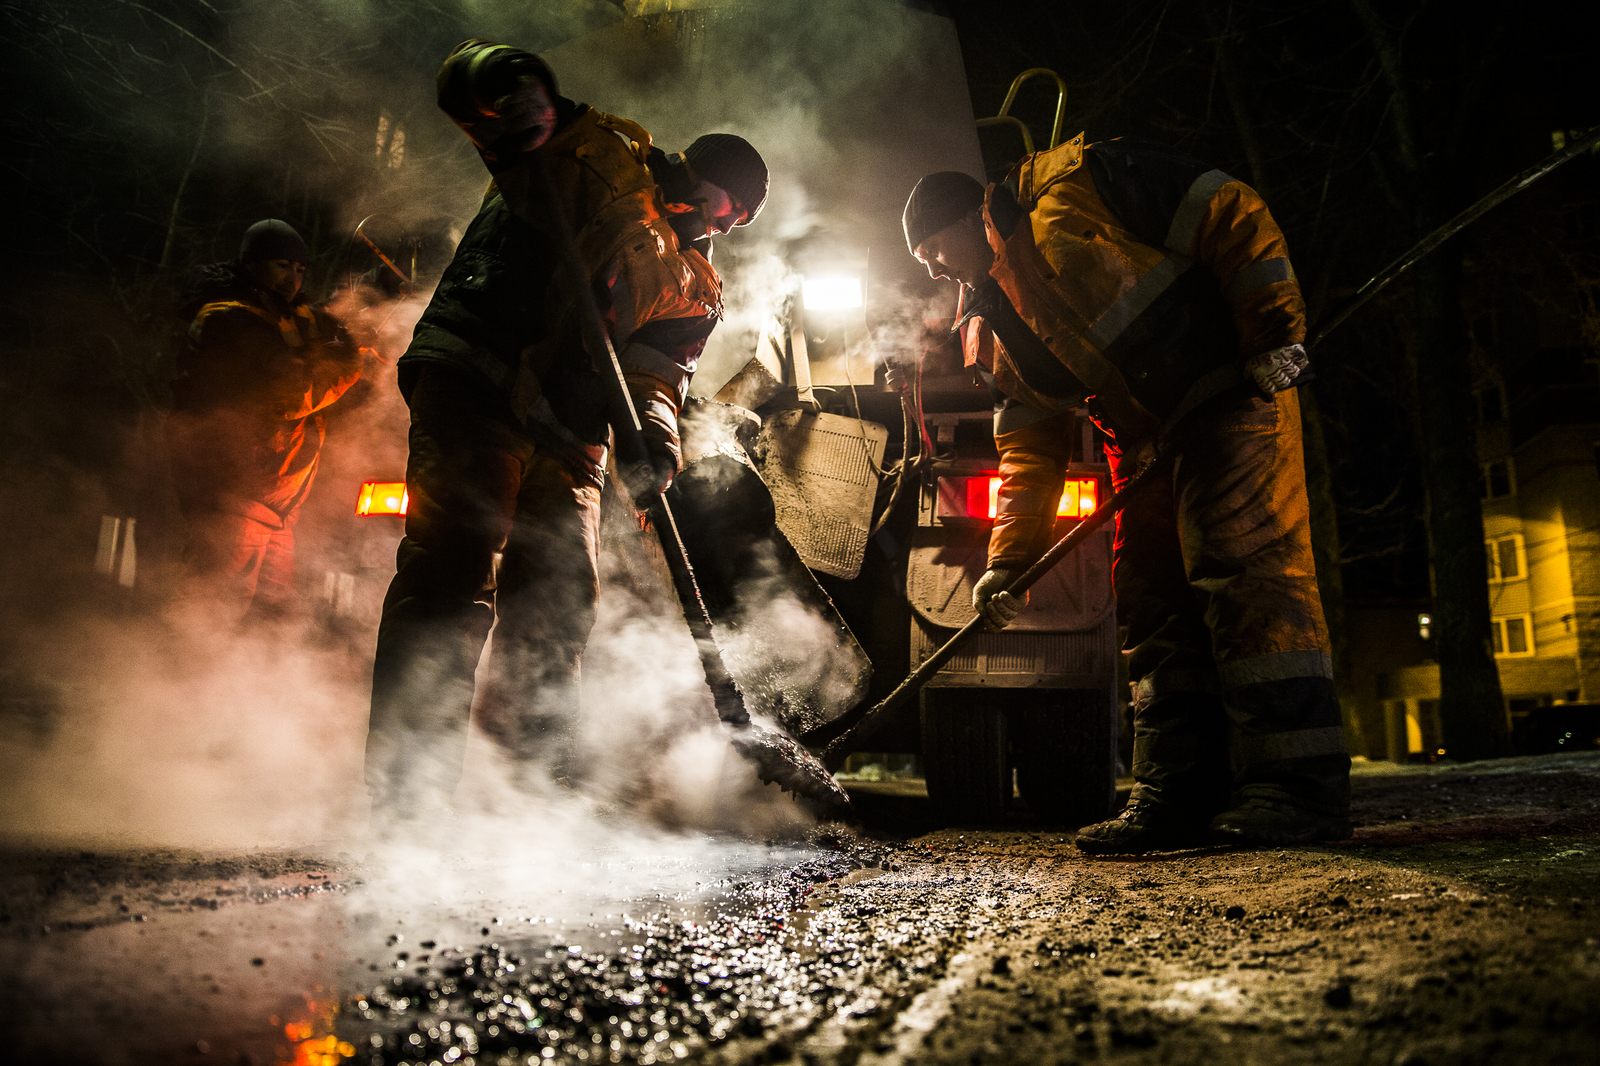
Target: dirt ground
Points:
(1458, 926)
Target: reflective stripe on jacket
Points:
(1140, 273)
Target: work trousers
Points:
(238, 562)
(480, 488)
(1226, 643)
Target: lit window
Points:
(1507, 558)
(1512, 636)
(391, 141)
(1497, 479)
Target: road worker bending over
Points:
(1132, 279)
(509, 420)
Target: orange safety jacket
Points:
(503, 311)
(659, 290)
(247, 422)
(1128, 272)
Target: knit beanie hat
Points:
(272, 239)
(731, 163)
(939, 199)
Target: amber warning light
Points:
(382, 497)
(979, 497)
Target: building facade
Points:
(1540, 458)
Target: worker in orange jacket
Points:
(258, 368)
(510, 428)
(1129, 278)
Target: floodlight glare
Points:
(837, 293)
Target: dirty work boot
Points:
(1261, 822)
(1143, 827)
(1180, 774)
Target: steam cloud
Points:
(256, 739)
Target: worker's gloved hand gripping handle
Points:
(1267, 373)
(993, 603)
(648, 472)
(475, 72)
(777, 756)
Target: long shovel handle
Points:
(845, 742)
(625, 424)
(776, 756)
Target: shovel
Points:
(777, 757)
(1228, 382)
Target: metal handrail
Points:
(1004, 117)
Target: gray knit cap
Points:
(939, 199)
(731, 163)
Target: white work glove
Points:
(996, 606)
(1277, 369)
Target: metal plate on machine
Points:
(823, 472)
(1085, 659)
(783, 641)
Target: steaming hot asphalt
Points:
(1458, 926)
(652, 946)
(649, 981)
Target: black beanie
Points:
(272, 239)
(939, 199)
(731, 163)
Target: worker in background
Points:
(1129, 278)
(509, 421)
(258, 366)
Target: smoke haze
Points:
(124, 724)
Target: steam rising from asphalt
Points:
(134, 734)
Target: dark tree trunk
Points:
(1237, 95)
(1471, 709)
(1319, 475)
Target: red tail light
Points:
(382, 497)
(979, 497)
(983, 497)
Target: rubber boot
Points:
(1263, 818)
(1180, 778)
(1292, 772)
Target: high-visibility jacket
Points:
(255, 375)
(503, 312)
(1124, 273)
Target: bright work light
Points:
(837, 293)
